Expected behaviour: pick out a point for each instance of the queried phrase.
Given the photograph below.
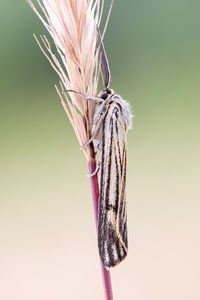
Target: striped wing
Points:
(112, 226)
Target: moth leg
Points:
(94, 135)
(96, 170)
(98, 99)
(96, 130)
(88, 142)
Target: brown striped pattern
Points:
(112, 225)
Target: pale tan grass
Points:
(73, 27)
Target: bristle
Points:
(73, 26)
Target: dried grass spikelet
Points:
(73, 27)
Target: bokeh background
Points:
(48, 245)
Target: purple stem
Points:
(95, 197)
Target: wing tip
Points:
(113, 263)
(113, 255)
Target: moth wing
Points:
(112, 225)
(122, 208)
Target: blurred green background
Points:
(47, 238)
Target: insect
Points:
(112, 119)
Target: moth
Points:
(112, 119)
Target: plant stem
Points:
(95, 197)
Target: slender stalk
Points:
(95, 197)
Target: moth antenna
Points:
(105, 69)
(108, 18)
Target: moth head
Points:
(105, 94)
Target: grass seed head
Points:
(73, 26)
